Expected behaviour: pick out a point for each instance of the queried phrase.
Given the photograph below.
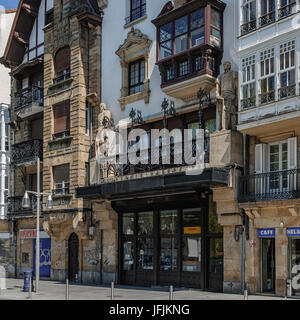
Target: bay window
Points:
(248, 83)
(267, 74)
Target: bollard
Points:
(67, 289)
(171, 293)
(30, 288)
(245, 294)
(112, 291)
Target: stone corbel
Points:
(253, 213)
(93, 99)
(29, 10)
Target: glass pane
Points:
(128, 253)
(192, 221)
(166, 49)
(197, 37)
(295, 260)
(216, 255)
(128, 223)
(181, 43)
(166, 32)
(145, 223)
(197, 19)
(215, 38)
(145, 254)
(191, 254)
(168, 222)
(168, 254)
(215, 18)
(181, 26)
(213, 225)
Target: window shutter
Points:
(260, 158)
(61, 173)
(61, 118)
(62, 60)
(292, 153)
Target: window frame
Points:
(140, 83)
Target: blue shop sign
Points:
(293, 232)
(266, 233)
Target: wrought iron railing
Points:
(29, 96)
(248, 27)
(286, 10)
(280, 185)
(61, 188)
(61, 135)
(136, 14)
(267, 97)
(155, 159)
(14, 205)
(26, 151)
(63, 75)
(248, 102)
(287, 92)
(267, 19)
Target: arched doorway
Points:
(73, 257)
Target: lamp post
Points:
(26, 205)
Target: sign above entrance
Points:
(266, 233)
(31, 234)
(293, 232)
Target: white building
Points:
(6, 20)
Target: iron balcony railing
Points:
(267, 19)
(61, 188)
(63, 75)
(287, 92)
(14, 205)
(248, 102)
(136, 14)
(279, 185)
(61, 135)
(26, 151)
(155, 159)
(28, 97)
(286, 10)
(248, 27)
(267, 97)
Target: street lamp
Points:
(26, 204)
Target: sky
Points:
(9, 4)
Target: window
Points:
(137, 10)
(145, 241)
(62, 62)
(61, 180)
(88, 119)
(248, 16)
(248, 82)
(267, 12)
(215, 30)
(287, 70)
(186, 32)
(61, 120)
(267, 75)
(136, 76)
(49, 16)
(287, 7)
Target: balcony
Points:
(270, 186)
(61, 188)
(286, 10)
(184, 73)
(29, 101)
(14, 206)
(25, 153)
(287, 92)
(267, 19)
(267, 97)
(248, 27)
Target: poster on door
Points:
(45, 257)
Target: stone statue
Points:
(226, 94)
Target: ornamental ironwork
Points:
(26, 151)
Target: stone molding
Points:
(136, 45)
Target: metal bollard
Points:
(67, 289)
(112, 291)
(245, 294)
(171, 293)
(30, 288)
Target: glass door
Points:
(295, 264)
(268, 264)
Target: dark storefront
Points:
(171, 240)
(168, 230)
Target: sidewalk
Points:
(53, 290)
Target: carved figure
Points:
(226, 94)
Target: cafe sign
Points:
(266, 233)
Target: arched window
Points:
(62, 62)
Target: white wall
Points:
(114, 35)
(6, 20)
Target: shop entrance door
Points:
(295, 265)
(268, 264)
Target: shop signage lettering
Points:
(293, 232)
(266, 233)
(28, 234)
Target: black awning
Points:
(155, 185)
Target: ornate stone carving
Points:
(226, 94)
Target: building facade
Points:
(268, 53)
